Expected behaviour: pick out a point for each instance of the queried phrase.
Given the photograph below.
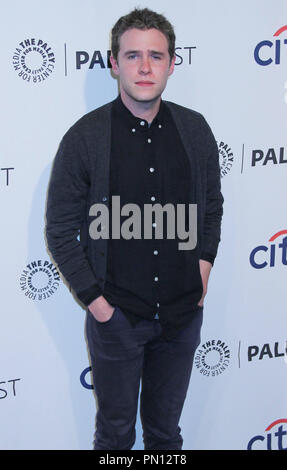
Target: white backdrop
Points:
(231, 68)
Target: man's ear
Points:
(171, 66)
(114, 63)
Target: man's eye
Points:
(132, 56)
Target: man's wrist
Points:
(88, 295)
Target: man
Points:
(144, 294)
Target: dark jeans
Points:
(121, 355)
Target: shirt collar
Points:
(135, 122)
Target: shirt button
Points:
(159, 126)
(151, 170)
(104, 199)
(155, 252)
(154, 224)
(156, 278)
(152, 198)
(149, 141)
(157, 304)
(133, 130)
(142, 123)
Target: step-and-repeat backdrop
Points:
(231, 66)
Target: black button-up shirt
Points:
(150, 278)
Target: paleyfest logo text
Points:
(150, 221)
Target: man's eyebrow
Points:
(137, 51)
(156, 52)
(131, 52)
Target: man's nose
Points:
(145, 65)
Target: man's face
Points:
(143, 65)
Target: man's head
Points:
(143, 19)
(142, 57)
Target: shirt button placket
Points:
(153, 192)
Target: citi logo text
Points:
(263, 256)
(273, 440)
(271, 52)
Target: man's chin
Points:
(145, 97)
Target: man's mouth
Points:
(144, 83)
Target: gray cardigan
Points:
(80, 178)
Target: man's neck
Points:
(142, 109)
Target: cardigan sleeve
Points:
(212, 215)
(66, 211)
(202, 149)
